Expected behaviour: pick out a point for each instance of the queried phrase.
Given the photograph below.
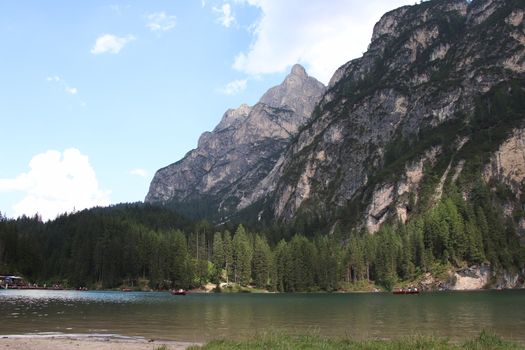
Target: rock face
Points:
(507, 165)
(241, 150)
(427, 66)
(471, 278)
(474, 277)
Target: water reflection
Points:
(199, 317)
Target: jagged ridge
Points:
(240, 151)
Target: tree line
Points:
(128, 245)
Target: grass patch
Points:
(279, 341)
(360, 286)
(237, 288)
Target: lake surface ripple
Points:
(201, 317)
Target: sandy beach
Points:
(83, 343)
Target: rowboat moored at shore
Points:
(407, 291)
(178, 292)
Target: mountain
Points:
(439, 89)
(230, 161)
(435, 104)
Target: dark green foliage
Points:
(242, 256)
(228, 255)
(107, 247)
(218, 257)
(96, 248)
(329, 262)
(262, 263)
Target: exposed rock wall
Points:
(394, 199)
(426, 65)
(472, 278)
(507, 165)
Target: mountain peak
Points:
(240, 152)
(294, 92)
(298, 70)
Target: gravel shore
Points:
(83, 343)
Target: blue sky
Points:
(95, 96)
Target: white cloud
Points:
(56, 79)
(109, 43)
(226, 18)
(139, 172)
(234, 87)
(320, 35)
(160, 22)
(72, 91)
(56, 183)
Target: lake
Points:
(201, 317)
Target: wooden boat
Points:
(407, 291)
(178, 292)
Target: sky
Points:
(95, 96)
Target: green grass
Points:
(279, 341)
(236, 288)
(360, 286)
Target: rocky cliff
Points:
(419, 101)
(230, 161)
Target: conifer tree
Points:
(228, 255)
(218, 258)
(242, 256)
(262, 262)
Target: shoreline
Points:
(270, 340)
(88, 342)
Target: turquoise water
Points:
(200, 317)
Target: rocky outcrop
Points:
(507, 165)
(394, 199)
(483, 277)
(242, 149)
(472, 278)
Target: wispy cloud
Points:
(319, 36)
(139, 172)
(234, 87)
(118, 9)
(57, 182)
(109, 43)
(160, 22)
(226, 17)
(69, 89)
